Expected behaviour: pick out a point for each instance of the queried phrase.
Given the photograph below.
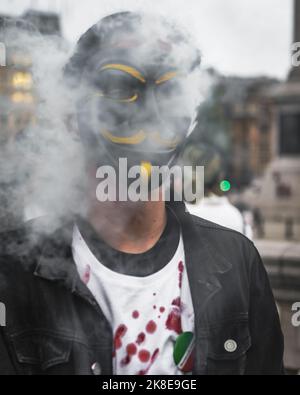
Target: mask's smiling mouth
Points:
(140, 137)
(137, 138)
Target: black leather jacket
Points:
(55, 326)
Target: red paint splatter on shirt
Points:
(154, 355)
(176, 302)
(141, 337)
(151, 327)
(180, 268)
(120, 332)
(173, 322)
(126, 360)
(131, 349)
(153, 358)
(144, 355)
(161, 309)
(135, 314)
(87, 274)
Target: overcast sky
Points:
(241, 37)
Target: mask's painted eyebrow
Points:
(127, 69)
(166, 77)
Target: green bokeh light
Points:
(225, 185)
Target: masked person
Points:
(142, 287)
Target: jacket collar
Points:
(56, 263)
(204, 263)
(204, 267)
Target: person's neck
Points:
(131, 227)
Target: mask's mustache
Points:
(139, 137)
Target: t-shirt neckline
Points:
(80, 245)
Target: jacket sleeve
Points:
(6, 366)
(265, 357)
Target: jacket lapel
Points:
(204, 268)
(56, 263)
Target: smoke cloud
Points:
(43, 171)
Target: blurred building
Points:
(237, 120)
(47, 23)
(276, 190)
(263, 123)
(283, 176)
(249, 111)
(17, 103)
(17, 97)
(16, 93)
(277, 197)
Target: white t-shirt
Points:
(146, 313)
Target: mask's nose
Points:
(149, 111)
(152, 121)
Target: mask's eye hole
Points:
(170, 94)
(118, 95)
(115, 85)
(170, 84)
(170, 88)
